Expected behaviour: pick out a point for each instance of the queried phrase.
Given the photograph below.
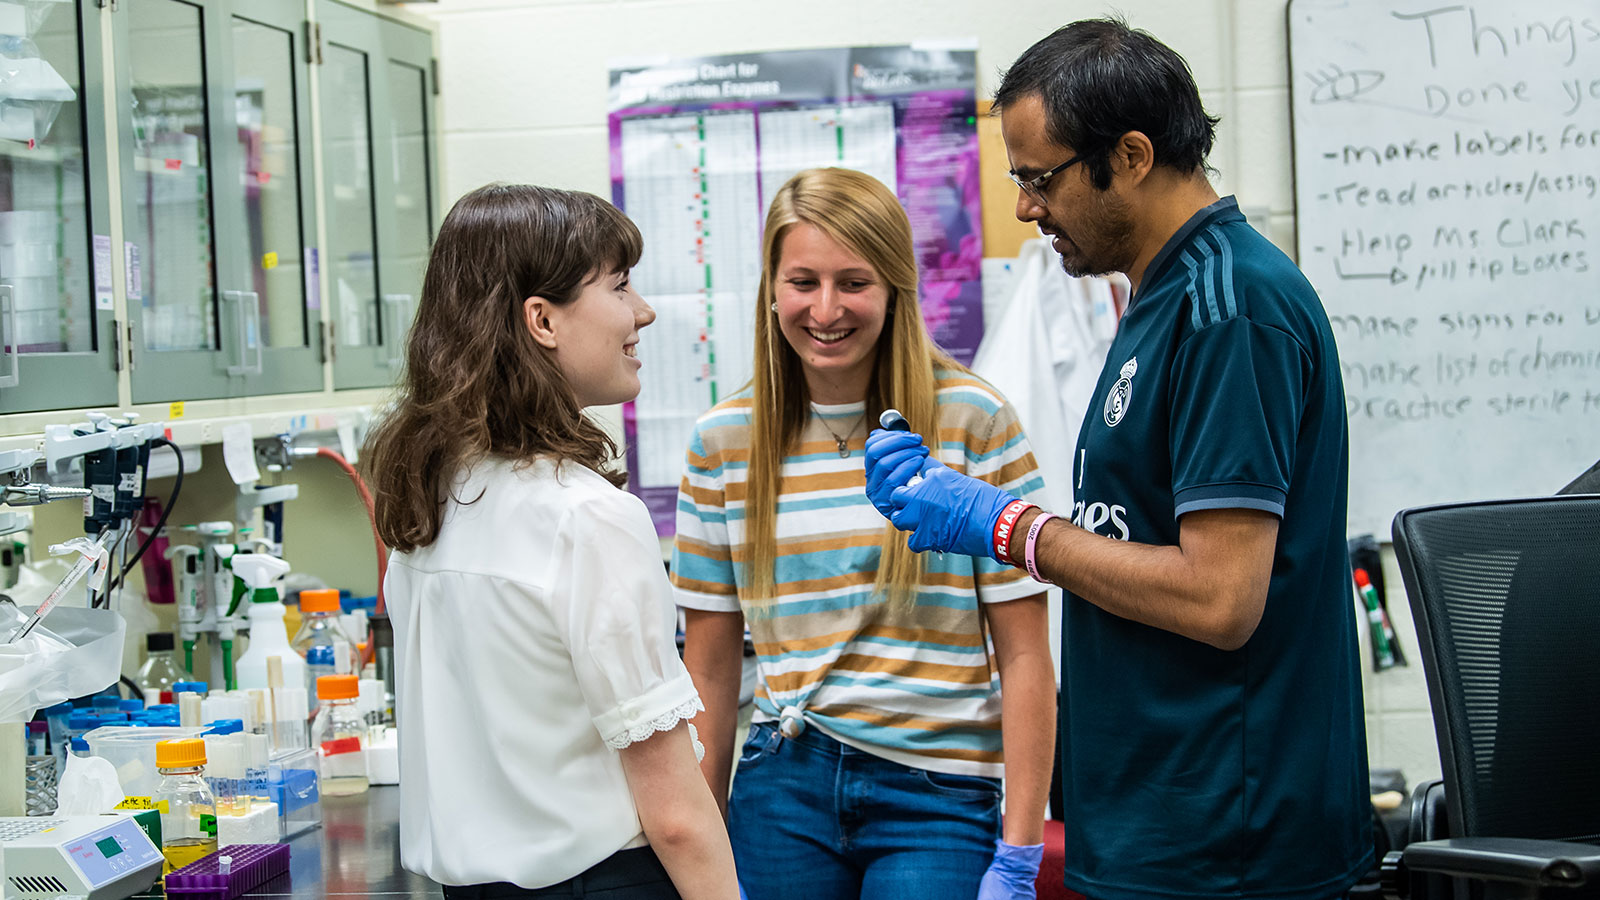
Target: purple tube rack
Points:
(253, 865)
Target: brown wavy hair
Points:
(476, 383)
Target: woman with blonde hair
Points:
(880, 733)
(539, 694)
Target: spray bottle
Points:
(268, 637)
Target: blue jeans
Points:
(813, 819)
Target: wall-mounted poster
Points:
(699, 145)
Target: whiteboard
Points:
(1447, 185)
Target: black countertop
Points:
(356, 853)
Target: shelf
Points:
(340, 419)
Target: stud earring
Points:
(774, 306)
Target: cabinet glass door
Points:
(410, 231)
(270, 203)
(172, 111)
(350, 206)
(57, 337)
(378, 155)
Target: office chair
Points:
(1506, 598)
(1587, 483)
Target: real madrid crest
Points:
(1121, 393)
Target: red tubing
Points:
(372, 517)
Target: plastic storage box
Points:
(292, 784)
(132, 752)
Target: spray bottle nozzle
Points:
(258, 571)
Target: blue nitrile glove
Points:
(1012, 874)
(741, 893)
(892, 458)
(948, 511)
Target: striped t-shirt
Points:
(914, 685)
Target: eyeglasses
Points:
(1034, 187)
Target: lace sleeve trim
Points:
(664, 722)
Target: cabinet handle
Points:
(237, 299)
(8, 308)
(255, 317)
(397, 302)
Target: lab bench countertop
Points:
(356, 853)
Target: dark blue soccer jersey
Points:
(1191, 771)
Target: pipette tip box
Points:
(252, 866)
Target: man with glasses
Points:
(1212, 740)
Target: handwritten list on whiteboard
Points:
(1447, 167)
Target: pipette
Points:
(90, 553)
(891, 420)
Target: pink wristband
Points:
(1033, 540)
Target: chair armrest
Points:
(1429, 818)
(1545, 863)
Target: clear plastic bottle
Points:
(322, 640)
(188, 808)
(340, 735)
(161, 669)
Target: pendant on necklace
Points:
(843, 450)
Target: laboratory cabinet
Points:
(379, 156)
(217, 206)
(211, 281)
(58, 340)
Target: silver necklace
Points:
(843, 442)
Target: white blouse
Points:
(533, 639)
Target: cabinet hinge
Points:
(330, 350)
(128, 342)
(116, 346)
(314, 43)
(433, 67)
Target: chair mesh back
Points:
(1506, 596)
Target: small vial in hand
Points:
(891, 420)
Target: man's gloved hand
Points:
(948, 511)
(1012, 874)
(893, 457)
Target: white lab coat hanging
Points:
(1045, 355)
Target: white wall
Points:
(524, 81)
(524, 99)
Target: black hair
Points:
(1100, 79)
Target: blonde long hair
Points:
(856, 210)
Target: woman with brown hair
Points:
(873, 768)
(540, 698)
